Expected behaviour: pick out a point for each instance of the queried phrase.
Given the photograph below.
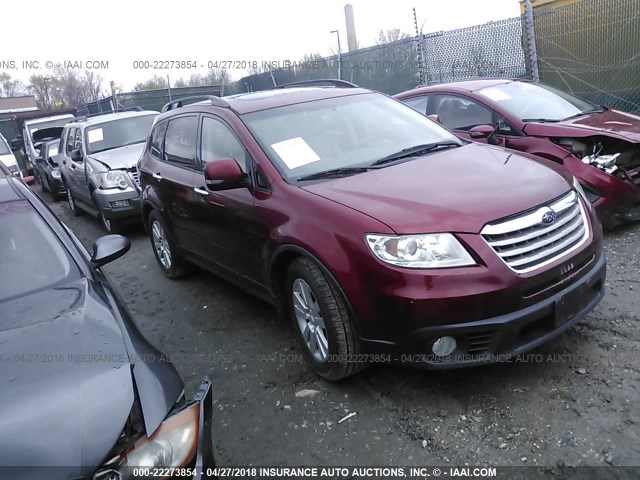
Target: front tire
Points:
(164, 248)
(321, 321)
(71, 201)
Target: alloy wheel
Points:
(161, 245)
(310, 321)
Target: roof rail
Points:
(333, 82)
(215, 101)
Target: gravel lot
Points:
(573, 402)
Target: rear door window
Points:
(157, 140)
(461, 113)
(180, 143)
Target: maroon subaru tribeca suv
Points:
(381, 235)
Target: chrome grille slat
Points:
(545, 239)
(135, 177)
(524, 243)
(537, 232)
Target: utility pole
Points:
(421, 59)
(114, 96)
(339, 54)
(531, 40)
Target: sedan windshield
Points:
(31, 257)
(343, 135)
(536, 101)
(118, 133)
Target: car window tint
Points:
(218, 142)
(157, 139)
(458, 113)
(180, 141)
(419, 104)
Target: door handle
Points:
(157, 176)
(201, 191)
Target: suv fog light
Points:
(444, 346)
(120, 203)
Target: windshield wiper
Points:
(334, 172)
(540, 120)
(586, 112)
(416, 151)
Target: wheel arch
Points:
(278, 266)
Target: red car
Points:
(380, 234)
(599, 145)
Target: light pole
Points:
(339, 54)
(47, 102)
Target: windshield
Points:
(118, 133)
(526, 100)
(22, 233)
(4, 148)
(342, 132)
(61, 122)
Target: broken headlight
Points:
(173, 444)
(439, 250)
(580, 190)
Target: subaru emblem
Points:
(548, 217)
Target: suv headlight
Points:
(111, 179)
(55, 173)
(173, 444)
(438, 250)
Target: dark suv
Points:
(378, 232)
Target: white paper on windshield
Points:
(295, 152)
(95, 135)
(495, 94)
(53, 151)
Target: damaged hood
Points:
(614, 123)
(67, 381)
(120, 158)
(456, 190)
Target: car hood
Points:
(66, 381)
(615, 123)
(457, 190)
(119, 158)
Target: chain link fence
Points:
(592, 49)
(146, 99)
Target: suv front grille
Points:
(133, 173)
(526, 242)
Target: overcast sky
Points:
(122, 31)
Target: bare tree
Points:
(10, 87)
(153, 83)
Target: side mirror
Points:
(76, 155)
(435, 118)
(481, 131)
(17, 143)
(224, 174)
(30, 180)
(108, 248)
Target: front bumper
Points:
(106, 198)
(503, 337)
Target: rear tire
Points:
(321, 321)
(164, 248)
